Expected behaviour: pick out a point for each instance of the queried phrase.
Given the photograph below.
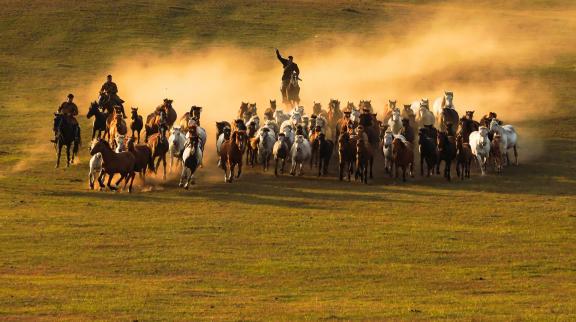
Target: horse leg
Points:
(68, 155)
(91, 178)
(182, 176)
(301, 172)
(403, 173)
(515, 155)
(110, 181)
(122, 176)
(239, 170)
(320, 166)
(131, 181)
(341, 171)
(164, 166)
(94, 132)
(276, 166)
(232, 166)
(58, 153)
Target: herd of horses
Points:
(353, 136)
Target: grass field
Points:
(265, 248)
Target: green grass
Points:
(492, 248)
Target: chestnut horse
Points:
(117, 127)
(231, 153)
(158, 144)
(122, 163)
(403, 157)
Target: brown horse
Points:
(231, 153)
(364, 159)
(346, 154)
(315, 145)
(143, 158)
(403, 157)
(334, 115)
(136, 123)
(159, 146)
(252, 148)
(155, 122)
(112, 116)
(242, 110)
(464, 158)
(496, 153)
(112, 163)
(342, 124)
(325, 149)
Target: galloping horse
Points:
(159, 145)
(403, 157)
(154, 122)
(446, 152)
(293, 90)
(99, 123)
(122, 163)
(117, 127)
(445, 111)
(334, 115)
(136, 124)
(231, 153)
(67, 134)
(346, 154)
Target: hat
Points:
(70, 95)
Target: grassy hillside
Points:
(494, 248)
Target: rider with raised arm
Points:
(290, 67)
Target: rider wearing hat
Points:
(290, 67)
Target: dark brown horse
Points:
(99, 124)
(143, 158)
(136, 123)
(293, 90)
(315, 145)
(67, 133)
(446, 152)
(364, 159)
(346, 154)
(159, 146)
(112, 163)
(231, 154)
(428, 152)
(403, 157)
(464, 158)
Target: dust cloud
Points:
(479, 55)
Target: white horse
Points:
(191, 160)
(272, 126)
(480, 145)
(289, 133)
(176, 143)
(120, 143)
(424, 117)
(387, 150)
(95, 168)
(509, 139)
(266, 140)
(280, 116)
(443, 102)
(300, 152)
(395, 122)
(298, 109)
(254, 120)
(355, 116)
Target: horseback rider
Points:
(109, 88)
(290, 67)
(69, 110)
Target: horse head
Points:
(273, 105)
(316, 108)
(134, 112)
(392, 104)
(470, 115)
(448, 98)
(93, 109)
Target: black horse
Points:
(67, 134)
(99, 123)
(428, 152)
(137, 124)
(446, 152)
